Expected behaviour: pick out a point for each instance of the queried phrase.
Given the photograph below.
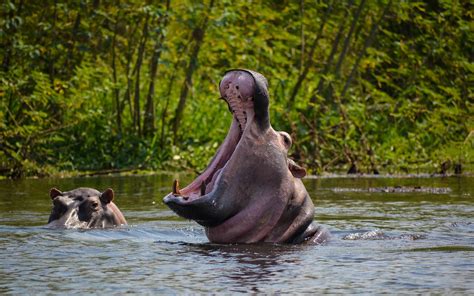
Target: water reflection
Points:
(253, 265)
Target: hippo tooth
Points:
(203, 188)
(176, 188)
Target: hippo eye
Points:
(94, 204)
(79, 198)
(287, 140)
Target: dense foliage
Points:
(361, 85)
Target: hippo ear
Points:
(54, 193)
(296, 170)
(107, 196)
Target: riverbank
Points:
(434, 172)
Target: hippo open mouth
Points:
(251, 191)
(240, 103)
(237, 89)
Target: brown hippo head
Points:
(84, 208)
(251, 191)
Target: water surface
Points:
(381, 243)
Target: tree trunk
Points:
(347, 40)
(75, 29)
(367, 43)
(335, 45)
(128, 61)
(198, 36)
(116, 89)
(51, 70)
(302, 35)
(309, 60)
(138, 65)
(165, 110)
(149, 116)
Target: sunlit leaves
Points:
(410, 100)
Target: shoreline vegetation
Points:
(337, 174)
(362, 87)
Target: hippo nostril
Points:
(236, 87)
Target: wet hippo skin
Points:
(84, 208)
(251, 191)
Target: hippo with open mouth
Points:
(84, 208)
(251, 191)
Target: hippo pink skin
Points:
(251, 191)
(84, 208)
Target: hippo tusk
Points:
(176, 188)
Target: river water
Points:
(382, 242)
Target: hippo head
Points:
(251, 191)
(84, 208)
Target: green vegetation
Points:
(102, 85)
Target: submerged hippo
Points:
(84, 208)
(251, 191)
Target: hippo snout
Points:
(84, 208)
